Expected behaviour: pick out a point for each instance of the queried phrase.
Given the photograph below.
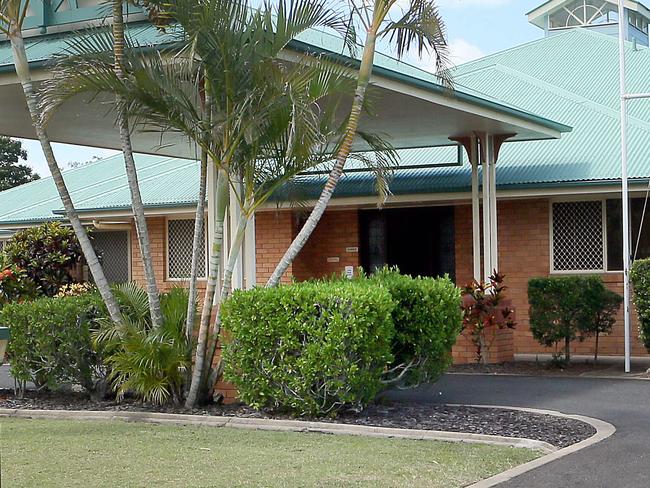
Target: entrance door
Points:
(419, 241)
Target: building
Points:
(549, 206)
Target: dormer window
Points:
(582, 13)
(638, 21)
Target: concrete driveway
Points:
(622, 461)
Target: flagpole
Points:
(625, 189)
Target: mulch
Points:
(560, 432)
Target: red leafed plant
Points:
(486, 309)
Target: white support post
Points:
(487, 216)
(625, 190)
(476, 209)
(233, 217)
(492, 165)
(250, 265)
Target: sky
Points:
(475, 28)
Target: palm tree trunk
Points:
(131, 172)
(23, 73)
(222, 199)
(197, 244)
(300, 240)
(226, 288)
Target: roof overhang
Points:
(414, 111)
(538, 15)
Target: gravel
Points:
(558, 431)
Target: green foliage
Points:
(309, 348)
(148, 362)
(566, 308)
(485, 308)
(51, 342)
(16, 286)
(427, 321)
(47, 253)
(640, 276)
(12, 173)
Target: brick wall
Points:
(524, 253)
(274, 232)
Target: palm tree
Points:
(131, 172)
(12, 14)
(419, 24)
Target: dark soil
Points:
(559, 432)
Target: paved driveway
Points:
(622, 461)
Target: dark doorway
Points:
(419, 241)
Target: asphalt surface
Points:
(621, 461)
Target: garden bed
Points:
(558, 431)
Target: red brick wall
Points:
(274, 232)
(524, 253)
(336, 233)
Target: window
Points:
(588, 235)
(638, 21)
(113, 251)
(583, 13)
(578, 236)
(180, 236)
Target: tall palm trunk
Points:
(131, 173)
(226, 288)
(197, 244)
(222, 200)
(365, 70)
(24, 76)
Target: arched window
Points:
(582, 13)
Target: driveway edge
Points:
(281, 426)
(603, 431)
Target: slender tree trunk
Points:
(22, 71)
(299, 242)
(222, 199)
(131, 172)
(567, 349)
(197, 244)
(596, 352)
(226, 287)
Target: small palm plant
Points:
(146, 361)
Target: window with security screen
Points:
(180, 237)
(578, 236)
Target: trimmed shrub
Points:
(309, 348)
(427, 320)
(16, 286)
(50, 340)
(640, 277)
(563, 309)
(47, 253)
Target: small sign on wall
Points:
(349, 272)
(352, 249)
(335, 259)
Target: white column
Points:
(487, 215)
(233, 218)
(494, 248)
(250, 265)
(476, 209)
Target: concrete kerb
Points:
(603, 431)
(280, 426)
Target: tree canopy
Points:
(12, 172)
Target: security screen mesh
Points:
(112, 248)
(578, 236)
(180, 237)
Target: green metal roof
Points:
(571, 77)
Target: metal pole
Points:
(476, 208)
(625, 190)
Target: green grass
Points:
(49, 453)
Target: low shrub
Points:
(640, 277)
(51, 340)
(563, 309)
(309, 348)
(486, 309)
(149, 363)
(427, 320)
(16, 286)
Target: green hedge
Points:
(50, 340)
(640, 277)
(427, 319)
(309, 348)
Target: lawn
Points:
(38, 453)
